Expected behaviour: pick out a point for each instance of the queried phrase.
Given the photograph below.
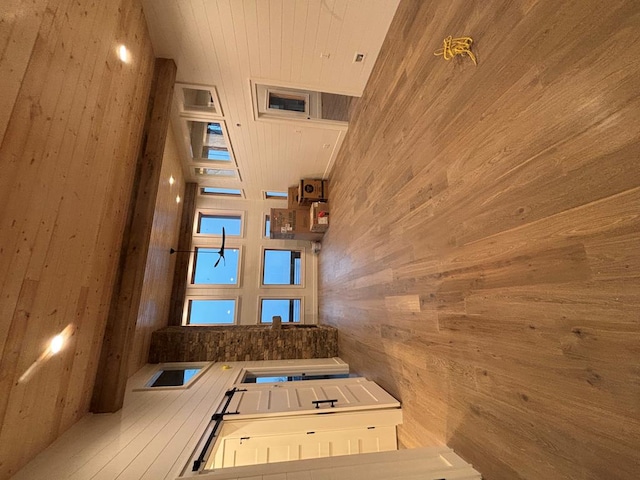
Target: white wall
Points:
(306, 44)
(151, 438)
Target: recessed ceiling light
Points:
(123, 54)
(172, 180)
(56, 343)
(177, 198)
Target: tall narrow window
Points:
(221, 192)
(209, 141)
(215, 172)
(268, 195)
(267, 226)
(206, 273)
(211, 224)
(287, 308)
(282, 267)
(211, 312)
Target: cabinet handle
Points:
(318, 402)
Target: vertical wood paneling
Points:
(67, 154)
(482, 261)
(181, 262)
(108, 393)
(155, 299)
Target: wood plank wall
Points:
(153, 312)
(113, 367)
(483, 261)
(70, 128)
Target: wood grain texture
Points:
(155, 298)
(70, 132)
(180, 272)
(483, 262)
(337, 107)
(118, 340)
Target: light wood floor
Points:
(483, 260)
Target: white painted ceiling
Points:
(308, 44)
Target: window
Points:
(208, 140)
(216, 154)
(284, 103)
(173, 377)
(275, 195)
(215, 172)
(222, 192)
(287, 101)
(287, 308)
(211, 312)
(198, 99)
(205, 273)
(211, 224)
(267, 226)
(282, 267)
(268, 378)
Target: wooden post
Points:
(111, 376)
(185, 235)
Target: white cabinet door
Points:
(235, 452)
(309, 397)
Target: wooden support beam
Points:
(185, 235)
(111, 377)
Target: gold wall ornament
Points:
(456, 46)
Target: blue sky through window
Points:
(269, 194)
(211, 312)
(212, 224)
(226, 273)
(189, 373)
(234, 192)
(216, 155)
(288, 309)
(282, 267)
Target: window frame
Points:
(266, 196)
(198, 172)
(218, 111)
(196, 157)
(266, 232)
(191, 271)
(200, 212)
(292, 92)
(160, 367)
(186, 310)
(280, 297)
(202, 193)
(263, 249)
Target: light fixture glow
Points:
(177, 198)
(172, 180)
(123, 54)
(56, 344)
